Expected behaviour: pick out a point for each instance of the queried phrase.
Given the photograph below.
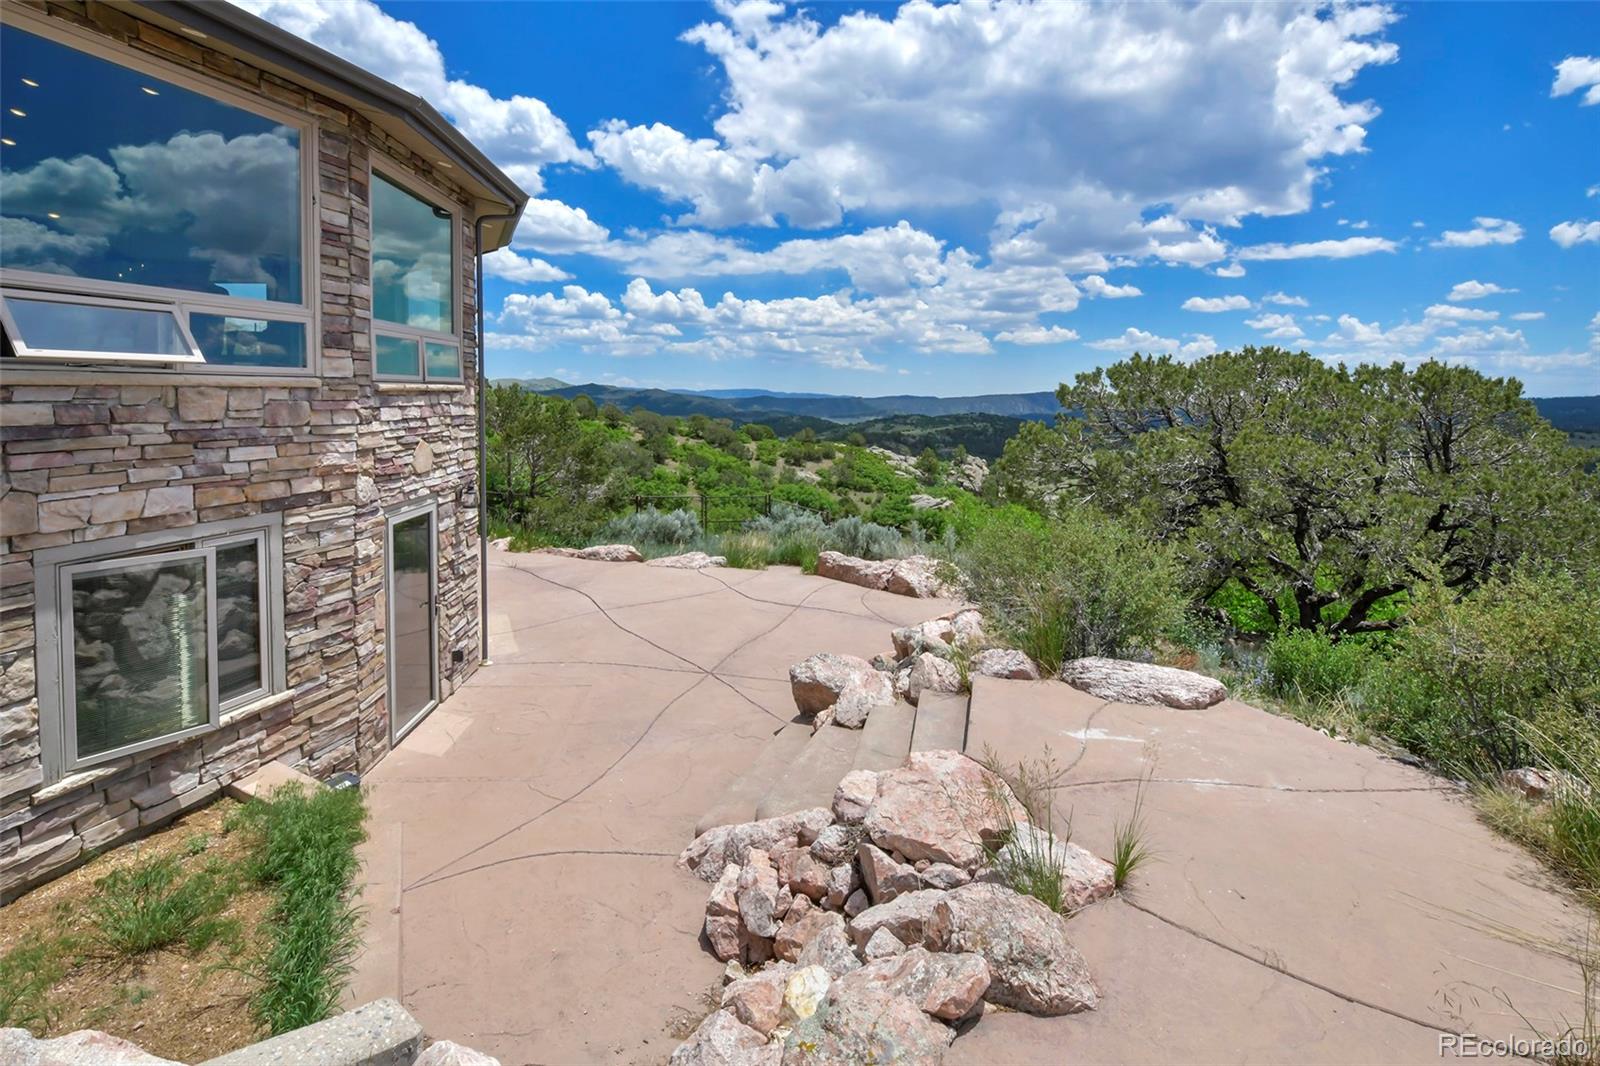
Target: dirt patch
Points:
(176, 1002)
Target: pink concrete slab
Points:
(1311, 901)
(1319, 859)
(1167, 997)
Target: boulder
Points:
(724, 899)
(940, 806)
(934, 635)
(881, 945)
(970, 473)
(868, 573)
(1128, 682)
(757, 893)
(804, 992)
(842, 882)
(1033, 967)
(905, 917)
(605, 553)
(943, 875)
(966, 627)
(809, 876)
(866, 1026)
(916, 575)
(921, 501)
(949, 987)
(856, 903)
(689, 561)
(854, 795)
(449, 1053)
(714, 849)
(829, 946)
(726, 937)
(929, 673)
(845, 684)
(834, 845)
(1004, 662)
(757, 1000)
(501, 544)
(1085, 877)
(883, 877)
(723, 1040)
(799, 931)
(85, 1047)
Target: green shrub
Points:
(651, 526)
(304, 847)
(1083, 584)
(865, 540)
(1308, 663)
(151, 904)
(1468, 676)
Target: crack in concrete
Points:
(620, 852)
(1213, 783)
(434, 876)
(1309, 982)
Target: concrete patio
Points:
(1311, 901)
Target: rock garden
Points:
(877, 929)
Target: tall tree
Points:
(1322, 489)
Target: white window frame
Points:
(182, 302)
(54, 569)
(24, 350)
(422, 337)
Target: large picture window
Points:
(413, 286)
(118, 185)
(145, 643)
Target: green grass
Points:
(27, 972)
(1130, 848)
(305, 849)
(151, 905)
(1028, 862)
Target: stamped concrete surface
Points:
(1310, 901)
(521, 895)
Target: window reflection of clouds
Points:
(173, 190)
(411, 260)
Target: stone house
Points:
(239, 494)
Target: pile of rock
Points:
(970, 473)
(915, 575)
(864, 932)
(843, 689)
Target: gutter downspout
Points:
(483, 439)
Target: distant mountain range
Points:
(758, 405)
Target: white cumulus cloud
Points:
(1484, 231)
(1475, 290)
(1568, 234)
(1211, 305)
(1345, 248)
(1575, 74)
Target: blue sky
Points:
(984, 198)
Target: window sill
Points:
(421, 386)
(92, 775)
(33, 374)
